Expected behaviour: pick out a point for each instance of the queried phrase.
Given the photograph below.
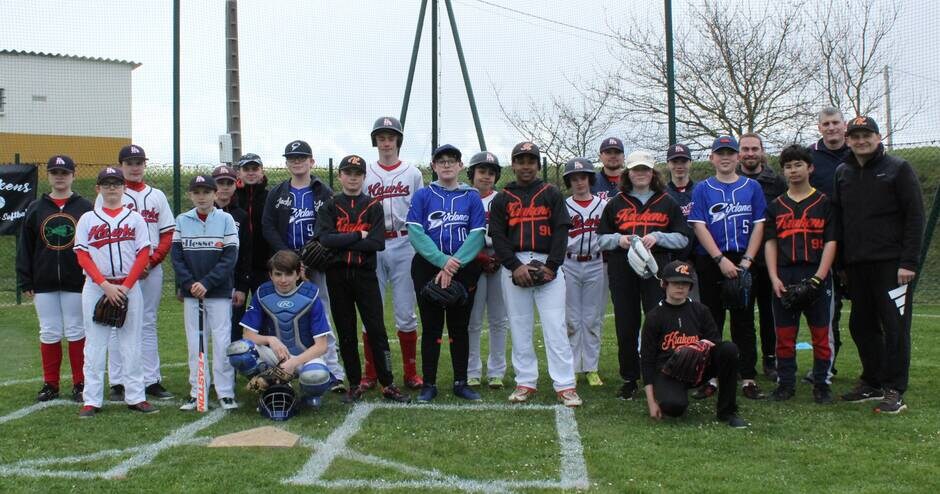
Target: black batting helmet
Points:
(390, 124)
(484, 159)
(578, 165)
(278, 402)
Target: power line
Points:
(545, 19)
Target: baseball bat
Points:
(201, 373)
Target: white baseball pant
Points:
(394, 265)
(330, 358)
(151, 288)
(585, 301)
(60, 314)
(217, 330)
(488, 298)
(549, 299)
(97, 338)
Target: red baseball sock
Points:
(367, 350)
(409, 345)
(51, 361)
(77, 360)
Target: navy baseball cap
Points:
(862, 123)
(250, 158)
(524, 148)
(110, 174)
(131, 151)
(60, 162)
(678, 271)
(224, 171)
(203, 181)
(678, 151)
(611, 143)
(297, 148)
(446, 149)
(725, 142)
(353, 162)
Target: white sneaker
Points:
(521, 394)
(188, 405)
(228, 403)
(569, 397)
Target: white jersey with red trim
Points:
(394, 188)
(486, 207)
(153, 206)
(582, 236)
(112, 242)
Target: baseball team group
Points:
(271, 280)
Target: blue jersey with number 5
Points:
(730, 211)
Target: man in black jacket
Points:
(251, 193)
(880, 222)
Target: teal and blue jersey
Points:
(730, 211)
(296, 318)
(447, 216)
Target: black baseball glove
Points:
(535, 273)
(736, 292)
(269, 377)
(316, 257)
(687, 363)
(802, 295)
(454, 295)
(108, 314)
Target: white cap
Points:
(639, 158)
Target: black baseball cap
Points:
(224, 171)
(678, 271)
(60, 162)
(611, 143)
(353, 162)
(297, 148)
(524, 148)
(250, 158)
(110, 174)
(131, 151)
(862, 123)
(203, 181)
(678, 151)
(446, 149)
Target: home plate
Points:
(267, 436)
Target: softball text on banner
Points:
(17, 190)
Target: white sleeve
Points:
(167, 221)
(142, 237)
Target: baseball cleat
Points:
(117, 393)
(705, 391)
(392, 393)
(47, 393)
(892, 403)
(863, 392)
(463, 390)
(521, 394)
(188, 405)
(822, 394)
(569, 398)
(353, 395)
(228, 403)
(88, 412)
(783, 393)
(627, 391)
(736, 422)
(428, 393)
(752, 391)
(473, 382)
(414, 382)
(367, 383)
(143, 407)
(495, 383)
(593, 378)
(158, 392)
(338, 387)
(78, 391)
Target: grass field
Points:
(793, 447)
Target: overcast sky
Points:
(324, 70)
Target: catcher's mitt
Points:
(687, 363)
(454, 295)
(802, 295)
(268, 378)
(316, 257)
(535, 273)
(108, 314)
(736, 292)
(641, 259)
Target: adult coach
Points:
(881, 221)
(251, 192)
(394, 184)
(49, 273)
(607, 179)
(152, 205)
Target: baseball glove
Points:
(736, 292)
(489, 263)
(802, 295)
(269, 377)
(454, 295)
(535, 272)
(687, 363)
(641, 259)
(316, 257)
(108, 314)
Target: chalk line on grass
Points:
(14, 382)
(35, 407)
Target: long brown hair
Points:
(656, 183)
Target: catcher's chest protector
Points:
(289, 315)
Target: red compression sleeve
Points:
(84, 260)
(163, 248)
(138, 268)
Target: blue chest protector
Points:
(288, 317)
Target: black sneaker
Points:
(77, 391)
(783, 393)
(863, 392)
(892, 403)
(736, 422)
(353, 395)
(627, 391)
(338, 387)
(392, 393)
(88, 412)
(47, 393)
(752, 391)
(808, 378)
(117, 393)
(770, 370)
(143, 407)
(157, 391)
(822, 394)
(705, 391)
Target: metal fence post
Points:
(544, 169)
(331, 174)
(16, 246)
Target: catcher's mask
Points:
(278, 402)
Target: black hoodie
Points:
(45, 261)
(251, 198)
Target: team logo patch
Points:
(527, 146)
(439, 219)
(726, 211)
(612, 141)
(57, 231)
(387, 121)
(285, 304)
(683, 269)
(675, 339)
(294, 145)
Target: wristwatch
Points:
(718, 258)
(747, 258)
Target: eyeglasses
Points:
(446, 162)
(297, 159)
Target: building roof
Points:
(134, 65)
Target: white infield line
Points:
(573, 467)
(22, 412)
(14, 382)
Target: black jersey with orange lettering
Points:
(800, 228)
(339, 222)
(668, 327)
(624, 214)
(530, 217)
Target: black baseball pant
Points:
(763, 295)
(673, 395)
(818, 316)
(630, 294)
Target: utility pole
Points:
(889, 127)
(233, 104)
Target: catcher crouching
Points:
(682, 348)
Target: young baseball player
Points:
(251, 193)
(585, 276)
(112, 246)
(607, 180)
(642, 209)
(204, 253)
(484, 172)
(800, 247)
(679, 187)
(728, 218)
(394, 184)
(152, 205)
(529, 222)
(49, 273)
(446, 225)
(675, 323)
(353, 225)
(225, 200)
(286, 325)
